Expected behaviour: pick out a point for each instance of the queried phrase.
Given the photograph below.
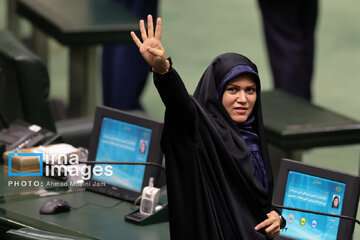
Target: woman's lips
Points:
(240, 110)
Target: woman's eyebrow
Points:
(236, 85)
(232, 85)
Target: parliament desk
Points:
(99, 219)
(81, 25)
(292, 125)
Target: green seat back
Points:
(24, 84)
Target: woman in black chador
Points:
(219, 178)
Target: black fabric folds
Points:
(212, 191)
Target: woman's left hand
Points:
(271, 225)
(151, 48)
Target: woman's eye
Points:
(232, 89)
(251, 90)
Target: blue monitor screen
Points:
(123, 142)
(316, 194)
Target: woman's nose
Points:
(241, 97)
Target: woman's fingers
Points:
(150, 47)
(143, 30)
(263, 224)
(150, 31)
(271, 225)
(150, 26)
(158, 29)
(136, 39)
(270, 229)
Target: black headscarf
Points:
(246, 128)
(212, 191)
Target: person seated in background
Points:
(219, 178)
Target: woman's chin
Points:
(239, 118)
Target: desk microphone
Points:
(318, 213)
(149, 199)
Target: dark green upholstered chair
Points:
(24, 85)
(35, 234)
(24, 91)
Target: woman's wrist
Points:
(282, 221)
(164, 69)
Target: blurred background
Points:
(194, 32)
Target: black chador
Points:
(212, 190)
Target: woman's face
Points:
(239, 97)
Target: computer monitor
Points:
(316, 189)
(124, 137)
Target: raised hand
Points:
(151, 48)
